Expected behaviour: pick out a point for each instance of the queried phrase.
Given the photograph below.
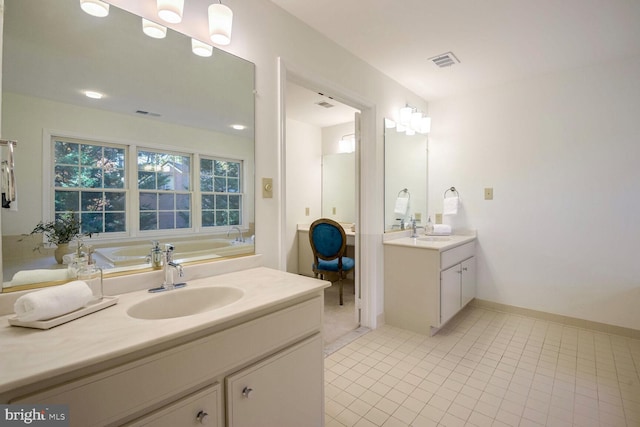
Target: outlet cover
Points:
(488, 193)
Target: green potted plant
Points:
(60, 232)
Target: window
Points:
(90, 179)
(220, 188)
(164, 190)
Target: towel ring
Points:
(404, 190)
(452, 189)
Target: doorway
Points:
(320, 164)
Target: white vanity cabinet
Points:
(279, 355)
(425, 286)
(279, 391)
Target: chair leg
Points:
(341, 292)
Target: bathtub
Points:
(184, 251)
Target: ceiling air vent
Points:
(445, 60)
(324, 104)
(147, 113)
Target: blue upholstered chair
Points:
(329, 245)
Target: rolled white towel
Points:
(52, 302)
(25, 277)
(441, 230)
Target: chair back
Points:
(328, 240)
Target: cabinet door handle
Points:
(246, 392)
(202, 417)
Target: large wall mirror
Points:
(405, 179)
(155, 159)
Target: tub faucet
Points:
(169, 265)
(239, 238)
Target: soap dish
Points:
(51, 323)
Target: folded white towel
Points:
(450, 205)
(441, 230)
(402, 203)
(52, 302)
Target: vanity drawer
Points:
(457, 254)
(141, 386)
(202, 407)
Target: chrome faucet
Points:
(169, 265)
(414, 228)
(239, 238)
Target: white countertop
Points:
(31, 355)
(438, 243)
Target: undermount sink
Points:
(184, 302)
(434, 238)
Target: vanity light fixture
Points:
(95, 7)
(153, 29)
(220, 22)
(410, 120)
(347, 143)
(201, 49)
(389, 124)
(170, 10)
(405, 116)
(93, 94)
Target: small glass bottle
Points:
(429, 227)
(91, 274)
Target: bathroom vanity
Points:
(255, 361)
(428, 280)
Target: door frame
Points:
(364, 257)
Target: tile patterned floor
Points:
(486, 369)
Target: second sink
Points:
(184, 302)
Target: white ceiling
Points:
(302, 105)
(496, 41)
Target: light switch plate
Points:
(267, 188)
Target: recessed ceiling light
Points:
(92, 94)
(239, 127)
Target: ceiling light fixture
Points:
(95, 7)
(93, 94)
(201, 49)
(153, 29)
(170, 10)
(239, 127)
(220, 23)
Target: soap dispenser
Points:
(91, 274)
(155, 258)
(428, 229)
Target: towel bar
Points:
(452, 189)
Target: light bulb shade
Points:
(347, 145)
(425, 125)
(389, 124)
(153, 29)
(416, 120)
(410, 132)
(170, 10)
(201, 49)
(400, 127)
(405, 116)
(220, 22)
(95, 7)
